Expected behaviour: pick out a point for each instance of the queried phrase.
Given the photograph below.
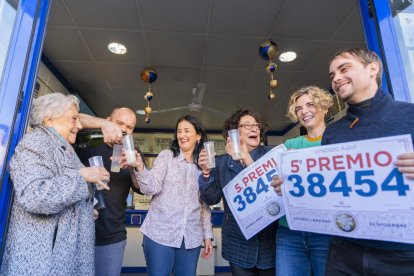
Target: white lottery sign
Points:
(350, 189)
(250, 197)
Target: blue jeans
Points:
(108, 259)
(162, 260)
(349, 258)
(301, 253)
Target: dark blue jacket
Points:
(258, 251)
(383, 117)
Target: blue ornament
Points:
(149, 75)
(148, 96)
(268, 50)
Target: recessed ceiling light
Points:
(140, 112)
(287, 56)
(117, 48)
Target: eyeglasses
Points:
(249, 126)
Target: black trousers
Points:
(348, 258)
(254, 271)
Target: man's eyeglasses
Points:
(249, 126)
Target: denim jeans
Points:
(108, 259)
(301, 253)
(349, 258)
(163, 260)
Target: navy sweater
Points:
(259, 250)
(382, 117)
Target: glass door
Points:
(22, 24)
(389, 29)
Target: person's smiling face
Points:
(351, 80)
(187, 136)
(307, 113)
(249, 131)
(66, 125)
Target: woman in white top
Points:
(177, 222)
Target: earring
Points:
(198, 142)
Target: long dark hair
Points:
(199, 128)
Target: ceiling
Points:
(189, 41)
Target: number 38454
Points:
(363, 184)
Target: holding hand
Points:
(245, 155)
(97, 175)
(203, 161)
(138, 165)
(276, 184)
(207, 251)
(405, 164)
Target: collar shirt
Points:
(176, 211)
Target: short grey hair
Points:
(51, 105)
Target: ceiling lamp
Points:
(267, 51)
(149, 76)
(287, 56)
(117, 48)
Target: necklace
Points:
(313, 139)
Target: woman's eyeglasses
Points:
(249, 126)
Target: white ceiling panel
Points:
(111, 14)
(59, 16)
(221, 100)
(316, 19)
(161, 15)
(226, 79)
(56, 37)
(259, 82)
(98, 41)
(189, 41)
(80, 73)
(351, 29)
(122, 74)
(232, 52)
(175, 49)
(177, 78)
(244, 17)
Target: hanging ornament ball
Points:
(148, 110)
(273, 84)
(147, 120)
(271, 67)
(271, 96)
(268, 50)
(149, 75)
(149, 96)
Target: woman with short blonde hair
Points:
(298, 252)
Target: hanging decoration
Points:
(267, 51)
(149, 76)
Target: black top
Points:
(110, 225)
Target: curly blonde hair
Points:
(321, 98)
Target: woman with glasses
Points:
(308, 106)
(255, 256)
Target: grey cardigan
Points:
(51, 230)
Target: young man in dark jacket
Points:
(355, 76)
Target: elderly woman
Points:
(255, 256)
(177, 222)
(308, 106)
(51, 228)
